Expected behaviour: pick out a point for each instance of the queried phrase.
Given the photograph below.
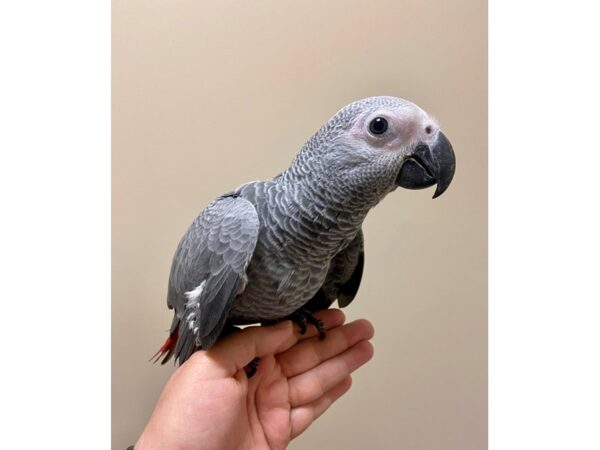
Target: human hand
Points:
(209, 402)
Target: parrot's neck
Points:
(332, 191)
(348, 191)
(331, 205)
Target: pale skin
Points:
(209, 402)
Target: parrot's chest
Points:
(274, 291)
(291, 258)
(280, 283)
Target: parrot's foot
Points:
(303, 318)
(251, 367)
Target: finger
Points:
(234, 352)
(311, 352)
(303, 416)
(309, 386)
(331, 318)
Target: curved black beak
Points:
(428, 166)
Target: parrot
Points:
(292, 245)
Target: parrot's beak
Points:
(428, 165)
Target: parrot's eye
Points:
(378, 125)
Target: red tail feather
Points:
(167, 348)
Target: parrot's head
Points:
(381, 143)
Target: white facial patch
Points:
(407, 126)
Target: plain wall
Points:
(210, 94)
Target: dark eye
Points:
(378, 125)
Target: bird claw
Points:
(303, 317)
(301, 320)
(252, 367)
(320, 326)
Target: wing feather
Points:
(343, 277)
(209, 265)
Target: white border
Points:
(54, 183)
(544, 225)
(55, 188)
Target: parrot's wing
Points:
(343, 277)
(209, 271)
(352, 262)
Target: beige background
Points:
(210, 94)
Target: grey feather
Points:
(270, 248)
(343, 277)
(214, 254)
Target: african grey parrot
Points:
(292, 245)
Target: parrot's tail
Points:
(167, 349)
